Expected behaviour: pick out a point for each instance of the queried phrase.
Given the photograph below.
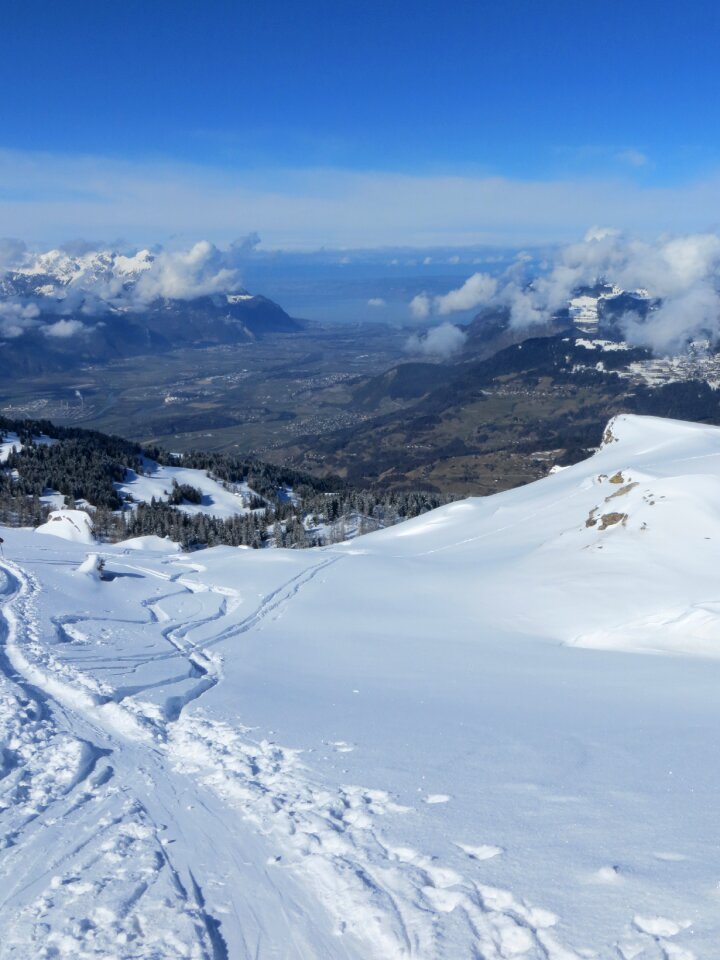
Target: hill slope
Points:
(482, 425)
(401, 747)
(79, 338)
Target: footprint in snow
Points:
(483, 851)
(659, 926)
(607, 875)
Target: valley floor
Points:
(421, 744)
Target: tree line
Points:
(283, 507)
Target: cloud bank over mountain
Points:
(439, 343)
(16, 318)
(186, 274)
(80, 283)
(58, 289)
(681, 272)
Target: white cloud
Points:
(93, 281)
(600, 233)
(439, 343)
(62, 329)
(683, 272)
(376, 302)
(690, 314)
(17, 318)
(185, 274)
(420, 306)
(477, 290)
(633, 158)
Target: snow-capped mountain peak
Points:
(84, 270)
(107, 275)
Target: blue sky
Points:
(354, 123)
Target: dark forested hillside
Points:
(162, 326)
(285, 507)
(486, 423)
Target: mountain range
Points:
(515, 401)
(58, 310)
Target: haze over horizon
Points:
(343, 126)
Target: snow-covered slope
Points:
(591, 555)
(157, 482)
(12, 444)
(400, 747)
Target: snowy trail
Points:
(131, 882)
(114, 887)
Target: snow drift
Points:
(73, 525)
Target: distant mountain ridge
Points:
(60, 310)
(515, 400)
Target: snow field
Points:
(427, 747)
(378, 894)
(157, 482)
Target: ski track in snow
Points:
(112, 891)
(118, 889)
